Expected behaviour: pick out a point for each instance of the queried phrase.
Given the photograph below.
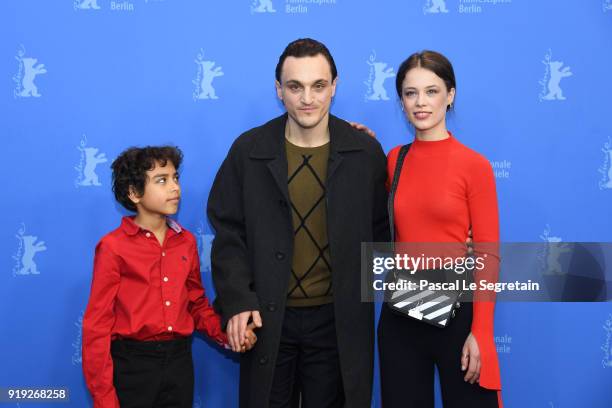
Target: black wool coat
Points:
(252, 251)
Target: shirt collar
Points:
(131, 228)
(174, 225)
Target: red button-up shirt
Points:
(144, 291)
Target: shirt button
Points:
(167, 303)
(165, 279)
(148, 234)
(163, 254)
(169, 328)
(280, 256)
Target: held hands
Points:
(241, 336)
(250, 338)
(470, 360)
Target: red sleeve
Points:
(98, 323)
(205, 318)
(482, 201)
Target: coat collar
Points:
(271, 143)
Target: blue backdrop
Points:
(83, 79)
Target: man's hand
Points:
(364, 128)
(237, 327)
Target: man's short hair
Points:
(305, 47)
(131, 166)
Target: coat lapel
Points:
(271, 146)
(341, 141)
(278, 168)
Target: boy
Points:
(146, 295)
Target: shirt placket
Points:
(167, 284)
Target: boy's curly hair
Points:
(131, 166)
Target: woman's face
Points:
(425, 99)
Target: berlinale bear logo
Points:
(86, 169)
(606, 168)
(205, 244)
(551, 258)
(378, 74)
(435, 6)
(607, 347)
(86, 5)
(28, 247)
(262, 6)
(207, 72)
(24, 79)
(554, 73)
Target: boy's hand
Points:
(250, 338)
(236, 328)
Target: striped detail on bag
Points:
(433, 307)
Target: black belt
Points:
(171, 346)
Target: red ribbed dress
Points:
(445, 188)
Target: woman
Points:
(444, 190)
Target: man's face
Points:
(306, 89)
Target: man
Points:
(291, 205)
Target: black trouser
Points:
(308, 360)
(408, 350)
(153, 374)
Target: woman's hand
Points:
(364, 128)
(470, 359)
(470, 243)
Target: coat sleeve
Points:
(381, 214)
(231, 272)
